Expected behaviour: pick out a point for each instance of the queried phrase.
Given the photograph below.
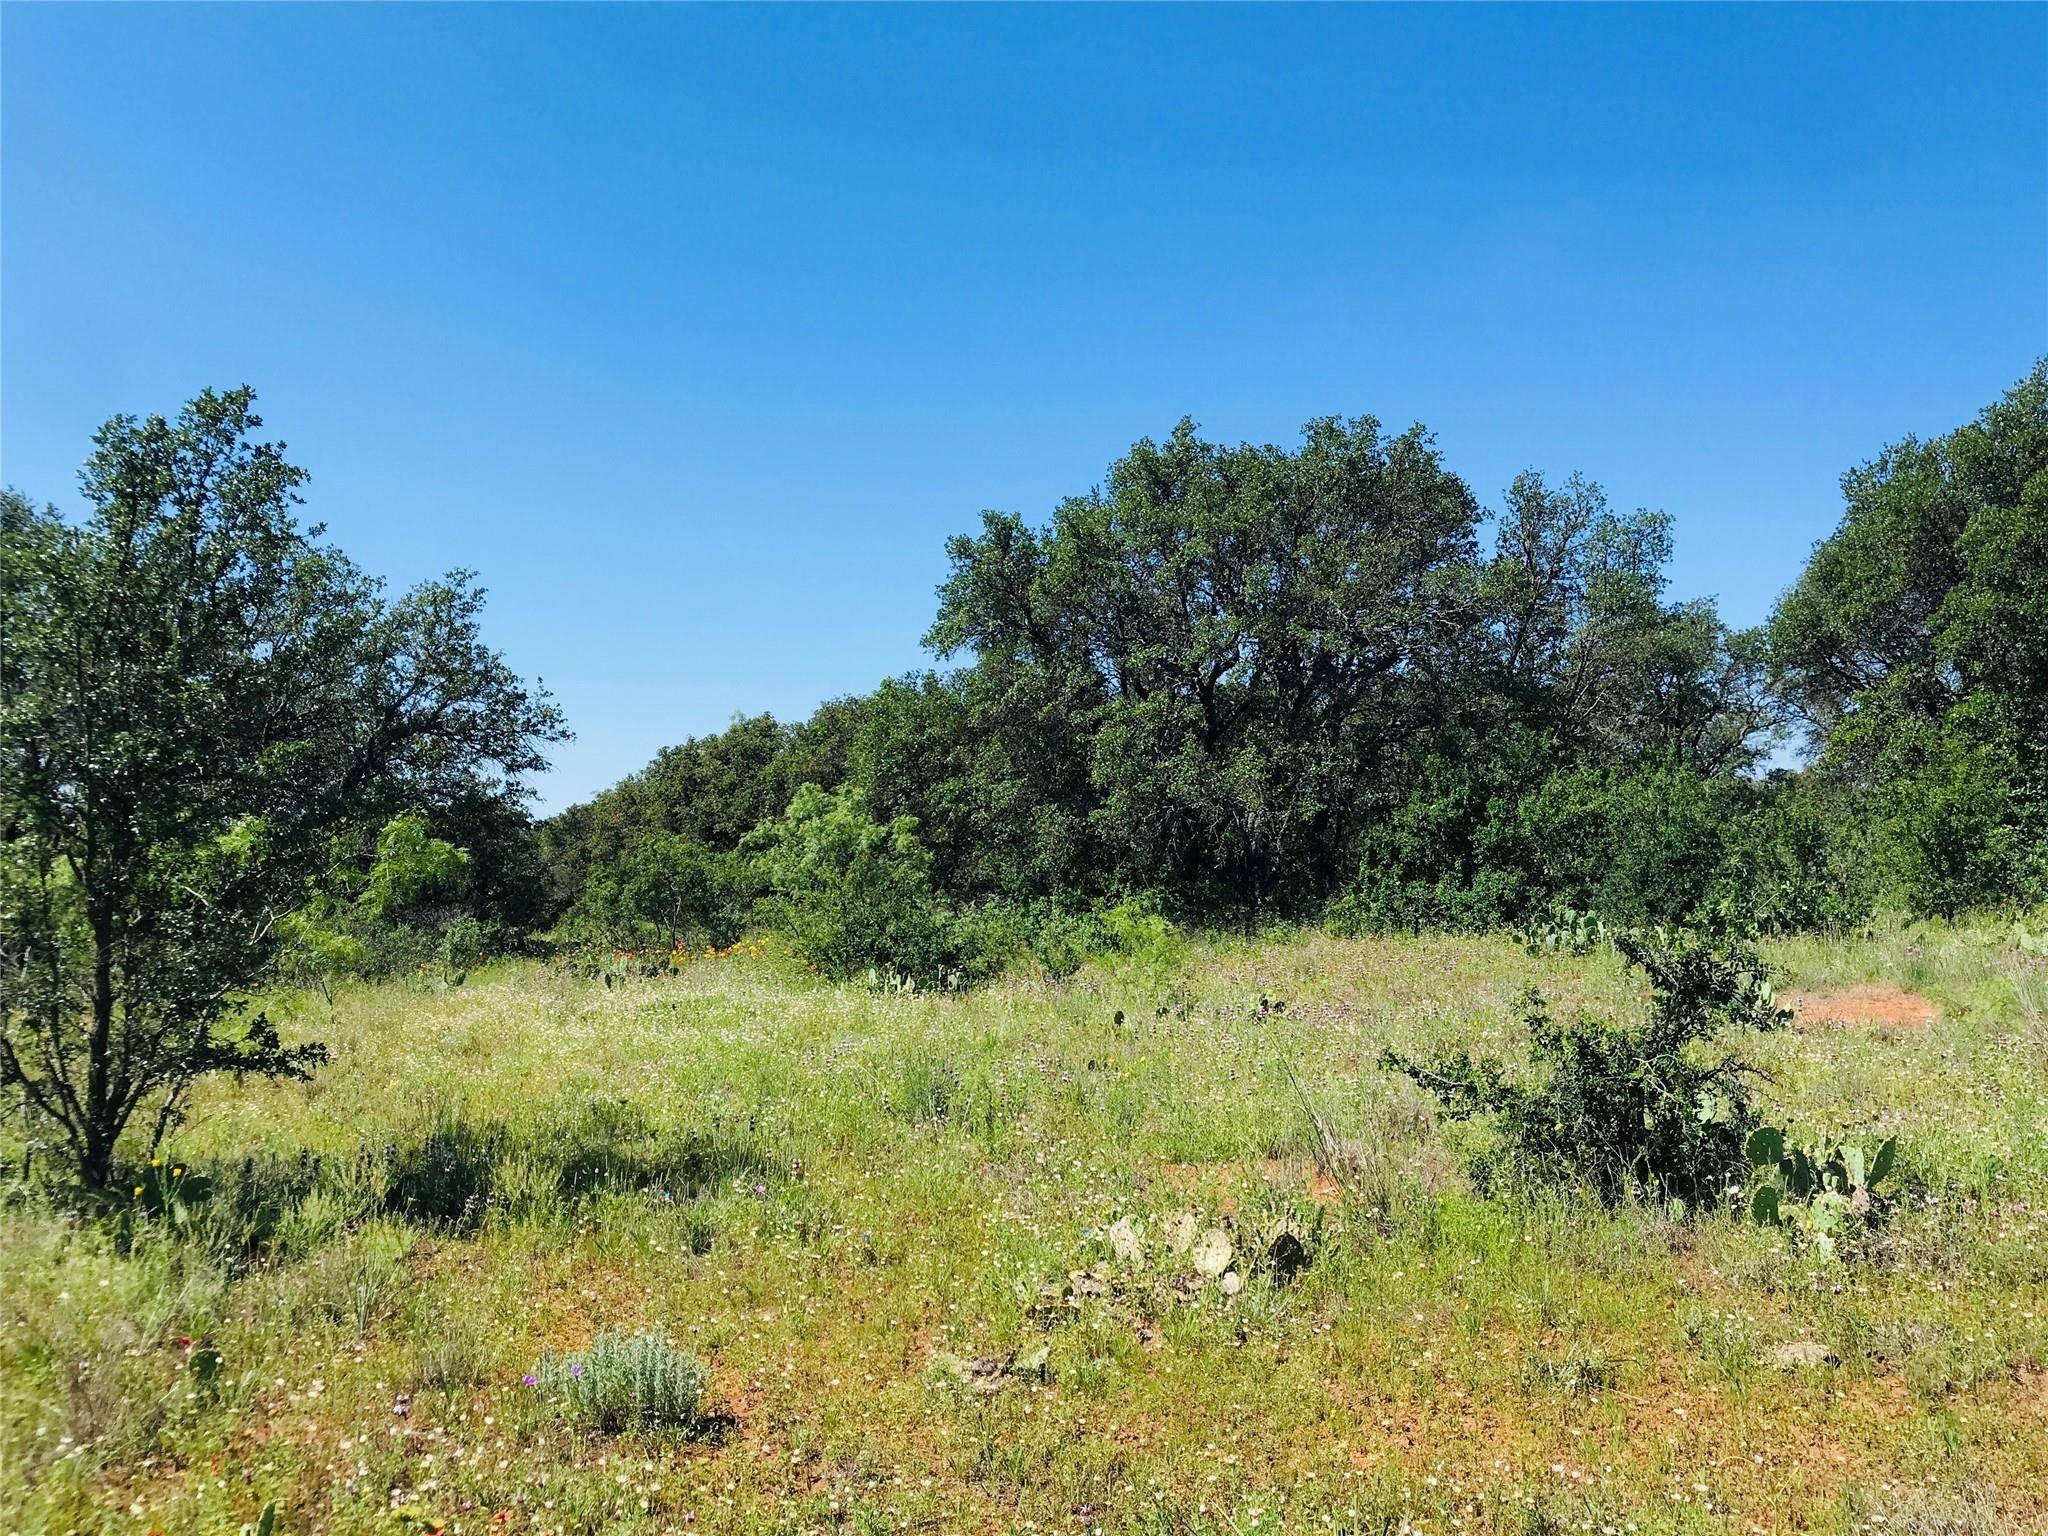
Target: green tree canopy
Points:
(1252, 630)
(1915, 644)
(196, 698)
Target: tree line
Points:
(1230, 685)
(1323, 683)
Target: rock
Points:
(1179, 1232)
(1212, 1252)
(1081, 1283)
(989, 1374)
(1123, 1241)
(1231, 1281)
(1800, 1355)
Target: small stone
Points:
(1212, 1252)
(1232, 1282)
(1123, 1241)
(1800, 1355)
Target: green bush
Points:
(1803, 860)
(853, 896)
(1642, 846)
(1501, 837)
(407, 912)
(621, 1383)
(1624, 1109)
(665, 890)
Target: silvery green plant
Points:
(627, 1382)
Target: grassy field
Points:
(889, 1224)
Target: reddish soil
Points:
(1889, 1007)
(1280, 1172)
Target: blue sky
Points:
(697, 331)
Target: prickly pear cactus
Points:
(1820, 1193)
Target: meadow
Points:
(952, 1264)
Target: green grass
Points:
(884, 1223)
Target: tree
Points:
(1245, 632)
(669, 887)
(363, 922)
(1915, 644)
(196, 699)
(1584, 648)
(709, 791)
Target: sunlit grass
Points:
(868, 1213)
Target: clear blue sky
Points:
(698, 330)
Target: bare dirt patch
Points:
(1849, 1007)
(1282, 1173)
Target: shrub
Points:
(1624, 1109)
(1803, 860)
(403, 914)
(667, 890)
(853, 896)
(1648, 845)
(621, 1383)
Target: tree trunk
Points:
(101, 1129)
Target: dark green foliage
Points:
(1637, 847)
(1493, 839)
(1916, 646)
(1248, 680)
(1801, 858)
(1257, 681)
(1236, 631)
(707, 793)
(403, 912)
(666, 890)
(196, 701)
(1645, 1108)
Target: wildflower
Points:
(529, 1379)
(138, 1189)
(575, 1370)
